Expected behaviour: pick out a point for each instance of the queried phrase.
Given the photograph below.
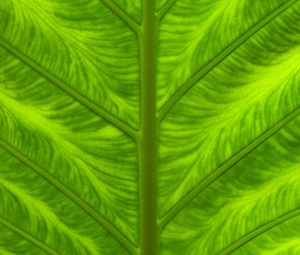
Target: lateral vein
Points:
(71, 92)
(27, 237)
(260, 230)
(219, 58)
(123, 15)
(165, 8)
(72, 196)
(225, 167)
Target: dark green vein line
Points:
(122, 15)
(72, 196)
(28, 237)
(164, 9)
(256, 232)
(219, 58)
(148, 144)
(225, 167)
(71, 92)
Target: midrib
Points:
(148, 134)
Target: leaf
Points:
(149, 127)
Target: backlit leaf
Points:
(149, 127)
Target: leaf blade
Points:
(237, 102)
(259, 193)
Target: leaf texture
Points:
(149, 127)
(44, 213)
(194, 32)
(132, 8)
(260, 188)
(241, 98)
(86, 35)
(72, 144)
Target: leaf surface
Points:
(149, 127)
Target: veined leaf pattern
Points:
(86, 35)
(204, 94)
(233, 111)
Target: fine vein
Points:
(71, 92)
(225, 167)
(219, 58)
(260, 230)
(72, 196)
(27, 237)
(122, 15)
(165, 8)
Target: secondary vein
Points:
(225, 167)
(260, 230)
(219, 58)
(123, 15)
(165, 8)
(27, 237)
(72, 196)
(71, 92)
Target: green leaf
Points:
(149, 127)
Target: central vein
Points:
(148, 136)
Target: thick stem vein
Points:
(148, 142)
